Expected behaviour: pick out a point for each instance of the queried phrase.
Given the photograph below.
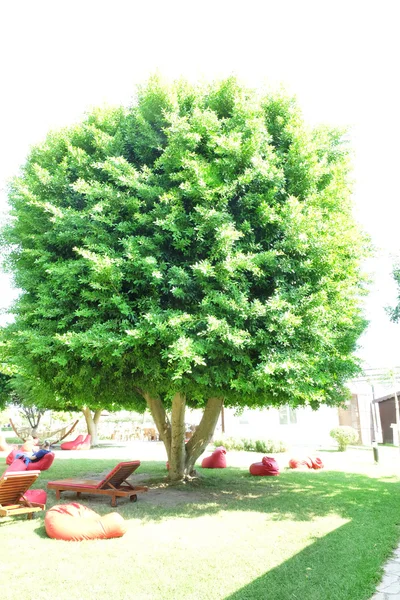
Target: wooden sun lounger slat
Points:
(12, 489)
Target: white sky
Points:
(339, 57)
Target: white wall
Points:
(312, 427)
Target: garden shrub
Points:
(344, 435)
(249, 445)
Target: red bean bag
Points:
(217, 460)
(267, 467)
(15, 449)
(316, 462)
(16, 465)
(80, 443)
(71, 445)
(75, 522)
(42, 464)
(309, 463)
(11, 457)
(300, 463)
(39, 496)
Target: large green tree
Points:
(195, 249)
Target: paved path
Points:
(389, 588)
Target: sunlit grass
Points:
(303, 535)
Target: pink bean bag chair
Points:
(75, 522)
(267, 467)
(80, 443)
(42, 464)
(217, 460)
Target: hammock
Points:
(54, 436)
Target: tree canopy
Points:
(197, 246)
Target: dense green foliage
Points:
(344, 436)
(198, 242)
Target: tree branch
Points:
(161, 420)
(203, 433)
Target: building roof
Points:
(388, 397)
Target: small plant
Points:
(344, 436)
(264, 446)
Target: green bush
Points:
(344, 436)
(264, 446)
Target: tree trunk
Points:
(177, 454)
(92, 423)
(181, 456)
(203, 433)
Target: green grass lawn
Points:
(309, 535)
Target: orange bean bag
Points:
(267, 467)
(217, 460)
(75, 522)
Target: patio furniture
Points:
(13, 494)
(115, 484)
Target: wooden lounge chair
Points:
(13, 486)
(115, 484)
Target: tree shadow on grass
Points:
(294, 495)
(41, 532)
(343, 565)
